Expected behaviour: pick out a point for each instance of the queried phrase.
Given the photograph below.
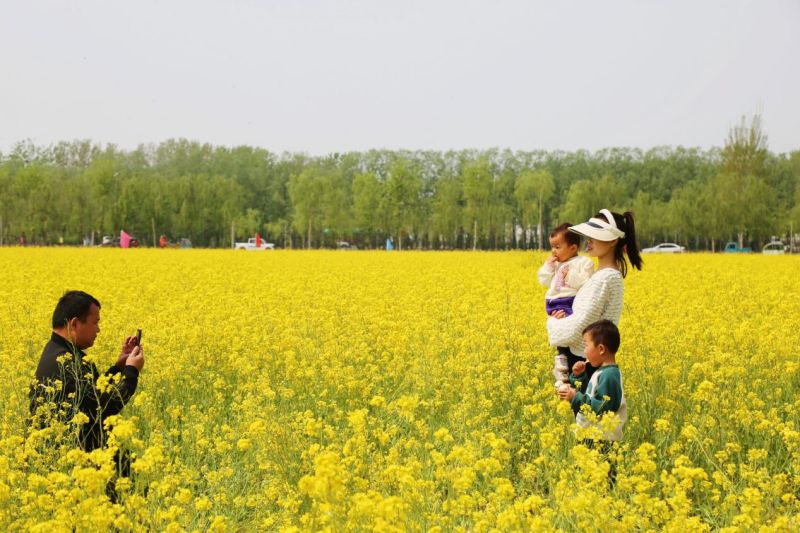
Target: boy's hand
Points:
(579, 368)
(566, 393)
(551, 261)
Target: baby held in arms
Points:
(564, 272)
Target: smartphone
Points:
(138, 337)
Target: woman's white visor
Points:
(598, 229)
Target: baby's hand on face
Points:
(579, 368)
(551, 261)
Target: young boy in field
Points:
(564, 272)
(602, 393)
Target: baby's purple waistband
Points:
(559, 304)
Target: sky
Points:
(332, 76)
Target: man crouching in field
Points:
(67, 385)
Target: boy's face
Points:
(561, 249)
(595, 353)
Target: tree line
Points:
(468, 199)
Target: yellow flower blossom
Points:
(320, 391)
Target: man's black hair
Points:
(604, 332)
(569, 236)
(73, 304)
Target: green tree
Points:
(248, 223)
(794, 219)
(649, 218)
(741, 183)
(367, 193)
(502, 209)
(448, 210)
(587, 197)
(533, 190)
(403, 188)
(305, 191)
(684, 213)
(336, 201)
(477, 178)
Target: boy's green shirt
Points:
(603, 393)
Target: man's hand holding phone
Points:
(132, 354)
(127, 348)
(136, 358)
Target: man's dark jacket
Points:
(78, 391)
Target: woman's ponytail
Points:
(631, 246)
(626, 245)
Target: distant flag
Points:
(124, 240)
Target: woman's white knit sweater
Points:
(598, 298)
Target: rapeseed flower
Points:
(308, 391)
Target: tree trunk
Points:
(308, 242)
(475, 235)
(539, 228)
(514, 239)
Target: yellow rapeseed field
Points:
(405, 392)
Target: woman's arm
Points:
(568, 331)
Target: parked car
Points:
(774, 248)
(251, 245)
(665, 248)
(344, 245)
(733, 248)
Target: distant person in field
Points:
(609, 238)
(564, 272)
(602, 392)
(66, 384)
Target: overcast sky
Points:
(324, 76)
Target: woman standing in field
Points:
(610, 236)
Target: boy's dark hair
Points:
(570, 236)
(73, 304)
(604, 332)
